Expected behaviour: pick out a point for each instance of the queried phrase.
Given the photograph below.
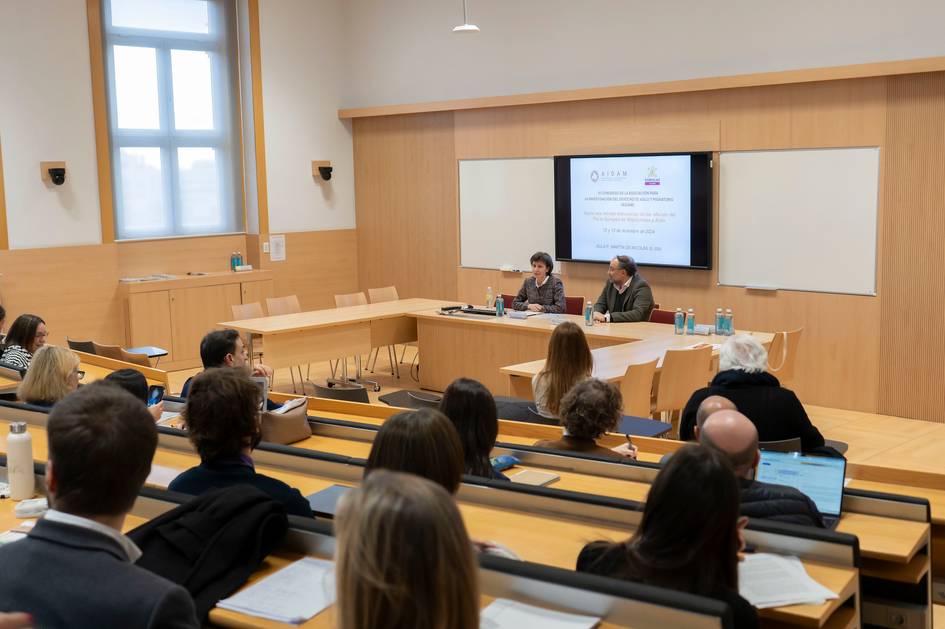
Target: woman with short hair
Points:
(569, 361)
(404, 559)
(53, 374)
(26, 335)
(542, 291)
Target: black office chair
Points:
(839, 446)
(346, 394)
(81, 346)
(784, 445)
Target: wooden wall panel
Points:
(406, 199)
(839, 357)
(179, 255)
(318, 265)
(913, 340)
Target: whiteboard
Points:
(799, 219)
(506, 211)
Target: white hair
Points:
(743, 352)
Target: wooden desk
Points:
(304, 337)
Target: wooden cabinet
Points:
(175, 314)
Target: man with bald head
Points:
(735, 435)
(708, 406)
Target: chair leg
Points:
(394, 365)
(402, 354)
(301, 381)
(292, 375)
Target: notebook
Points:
(820, 478)
(325, 502)
(534, 477)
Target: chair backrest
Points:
(683, 371)
(784, 445)
(138, 359)
(350, 299)
(347, 393)
(385, 293)
(81, 346)
(637, 388)
(507, 300)
(283, 305)
(662, 316)
(573, 305)
(108, 351)
(782, 355)
(252, 310)
(423, 399)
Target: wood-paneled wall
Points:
(845, 336)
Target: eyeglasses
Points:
(79, 374)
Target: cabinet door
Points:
(149, 321)
(196, 311)
(257, 291)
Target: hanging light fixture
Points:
(465, 27)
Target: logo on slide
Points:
(594, 176)
(651, 179)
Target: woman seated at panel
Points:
(689, 537)
(775, 411)
(222, 419)
(25, 337)
(542, 292)
(404, 560)
(471, 408)
(53, 374)
(569, 362)
(589, 410)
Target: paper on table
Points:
(289, 405)
(767, 580)
(293, 594)
(161, 476)
(503, 613)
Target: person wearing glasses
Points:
(53, 374)
(26, 335)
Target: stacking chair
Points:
(380, 295)
(81, 346)
(662, 316)
(137, 359)
(573, 305)
(350, 393)
(683, 371)
(782, 355)
(636, 386)
(287, 305)
(108, 351)
(342, 301)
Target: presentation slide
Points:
(639, 206)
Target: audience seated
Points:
(225, 348)
(53, 374)
(569, 362)
(222, 418)
(422, 442)
(471, 408)
(689, 537)
(26, 335)
(75, 568)
(403, 559)
(590, 409)
(775, 411)
(733, 434)
(134, 382)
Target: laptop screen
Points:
(819, 477)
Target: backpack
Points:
(212, 544)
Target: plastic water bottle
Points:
(588, 314)
(489, 297)
(233, 261)
(500, 306)
(719, 321)
(20, 462)
(690, 322)
(680, 321)
(729, 322)
(239, 258)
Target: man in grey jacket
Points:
(626, 296)
(75, 568)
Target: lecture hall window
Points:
(171, 70)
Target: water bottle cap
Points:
(17, 428)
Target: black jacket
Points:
(775, 411)
(779, 503)
(635, 304)
(612, 560)
(69, 576)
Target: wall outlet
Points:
(266, 247)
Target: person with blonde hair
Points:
(53, 374)
(569, 362)
(404, 559)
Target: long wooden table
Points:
(304, 337)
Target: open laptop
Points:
(818, 477)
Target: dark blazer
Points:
(550, 295)
(612, 560)
(68, 576)
(775, 411)
(227, 473)
(768, 501)
(634, 304)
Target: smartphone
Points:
(263, 383)
(155, 394)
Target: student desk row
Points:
(96, 368)
(546, 526)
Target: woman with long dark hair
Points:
(25, 337)
(469, 405)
